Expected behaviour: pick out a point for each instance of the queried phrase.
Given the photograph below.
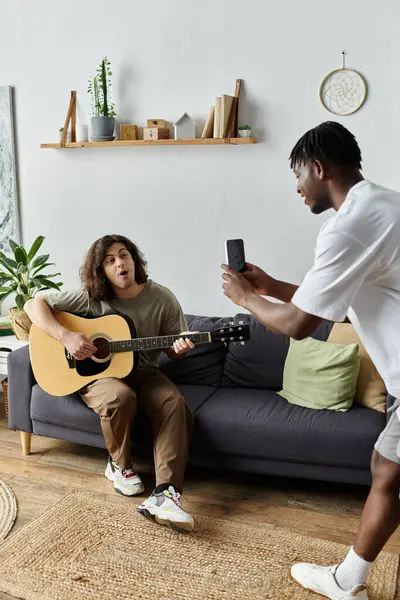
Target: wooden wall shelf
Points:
(194, 142)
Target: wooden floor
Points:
(54, 469)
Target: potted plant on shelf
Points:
(23, 276)
(103, 113)
(60, 132)
(244, 131)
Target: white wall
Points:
(180, 204)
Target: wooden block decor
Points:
(128, 132)
(155, 133)
(156, 123)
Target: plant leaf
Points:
(13, 244)
(35, 247)
(20, 301)
(9, 261)
(40, 260)
(42, 267)
(4, 263)
(49, 284)
(4, 296)
(20, 255)
(4, 289)
(49, 275)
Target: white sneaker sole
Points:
(138, 489)
(162, 519)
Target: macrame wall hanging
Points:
(343, 91)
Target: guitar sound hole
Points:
(103, 348)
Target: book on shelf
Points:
(226, 109)
(217, 118)
(209, 125)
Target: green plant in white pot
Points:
(244, 131)
(23, 276)
(103, 113)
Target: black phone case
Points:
(235, 255)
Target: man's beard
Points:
(321, 204)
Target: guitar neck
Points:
(156, 343)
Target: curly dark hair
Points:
(328, 142)
(92, 274)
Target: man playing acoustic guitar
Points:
(115, 280)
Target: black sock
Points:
(164, 486)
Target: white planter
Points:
(244, 133)
(82, 133)
(60, 133)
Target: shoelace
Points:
(176, 497)
(125, 472)
(327, 569)
(128, 472)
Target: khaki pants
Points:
(116, 402)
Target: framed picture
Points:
(9, 226)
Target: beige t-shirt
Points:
(155, 311)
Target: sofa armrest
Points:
(20, 383)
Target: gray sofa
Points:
(241, 423)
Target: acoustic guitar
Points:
(59, 373)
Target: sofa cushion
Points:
(320, 376)
(204, 365)
(259, 363)
(260, 424)
(371, 390)
(71, 411)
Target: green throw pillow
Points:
(320, 375)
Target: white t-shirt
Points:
(356, 272)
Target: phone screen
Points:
(235, 255)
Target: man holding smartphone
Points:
(356, 275)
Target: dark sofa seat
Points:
(240, 421)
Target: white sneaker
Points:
(126, 481)
(322, 581)
(166, 508)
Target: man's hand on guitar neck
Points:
(181, 346)
(78, 345)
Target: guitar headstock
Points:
(231, 333)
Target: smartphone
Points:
(234, 250)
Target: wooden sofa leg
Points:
(26, 443)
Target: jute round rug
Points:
(92, 547)
(8, 509)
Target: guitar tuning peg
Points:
(243, 343)
(240, 322)
(231, 323)
(225, 344)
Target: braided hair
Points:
(328, 142)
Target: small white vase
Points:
(82, 133)
(244, 133)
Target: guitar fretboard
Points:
(156, 343)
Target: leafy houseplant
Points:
(244, 131)
(23, 276)
(99, 88)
